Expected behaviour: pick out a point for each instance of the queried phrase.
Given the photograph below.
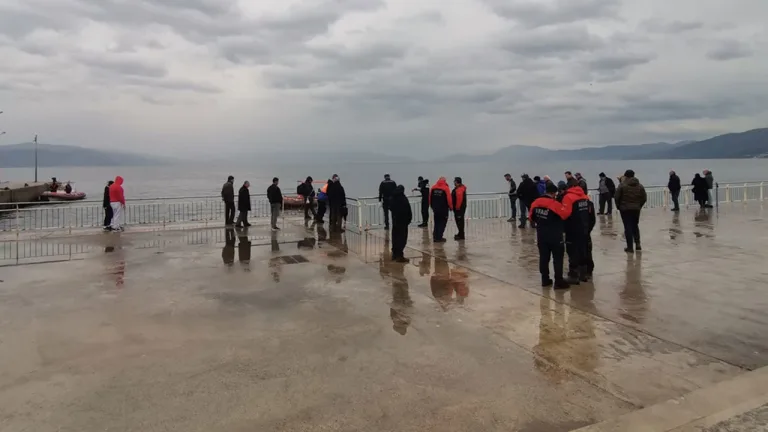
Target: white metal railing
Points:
(363, 213)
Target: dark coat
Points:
(306, 190)
(274, 194)
(244, 199)
(337, 196)
(527, 191)
(700, 188)
(228, 192)
(106, 202)
(401, 208)
(674, 183)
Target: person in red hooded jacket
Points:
(117, 202)
(442, 204)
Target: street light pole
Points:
(35, 158)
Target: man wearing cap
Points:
(423, 188)
(459, 196)
(386, 189)
(228, 196)
(547, 214)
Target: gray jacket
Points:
(710, 180)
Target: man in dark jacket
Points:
(337, 202)
(228, 196)
(307, 191)
(589, 261)
(275, 197)
(423, 188)
(459, 198)
(441, 201)
(576, 231)
(527, 193)
(512, 192)
(582, 183)
(607, 189)
(386, 189)
(674, 190)
(107, 207)
(548, 215)
(630, 198)
(401, 218)
(243, 205)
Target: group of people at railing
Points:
(702, 189)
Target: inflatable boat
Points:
(63, 196)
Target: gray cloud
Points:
(656, 25)
(536, 14)
(557, 42)
(122, 66)
(729, 50)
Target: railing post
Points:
(762, 195)
(727, 193)
(666, 199)
(501, 215)
(359, 216)
(687, 193)
(745, 193)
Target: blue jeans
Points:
(513, 205)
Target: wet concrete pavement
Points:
(213, 330)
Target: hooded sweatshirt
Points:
(116, 191)
(401, 207)
(440, 197)
(578, 223)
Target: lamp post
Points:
(35, 158)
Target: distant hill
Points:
(22, 155)
(749, 144)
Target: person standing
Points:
(442, 203)
(307, 192)
(606, 188)
(243, 205)
(117, 202)
(386, 189)
(459, 198)
(700, 190)
(512, 192)
(674, 190)
(107, 207)
(630, 199)
(423, 189)
(526, 194)
(582, 183)
(322, 202)
(547, 215)
(710, 185)
(576, 231)
(401, 218)
(337, 201)
(275, 197)
(228, 196)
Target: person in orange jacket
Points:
(442, 204)
(117, 202)
(459, 198)
(577, 228)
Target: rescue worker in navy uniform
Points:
(459, 197)
(423, 188)
(576, 231)
(386, 189)
(442, 203)
(547, 215)
(589, 262)
(401, 218)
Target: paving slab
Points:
(219, 330)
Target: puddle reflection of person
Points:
(244, 253)
(440, 281)
(118, 270)
(228, 251)
(400, 308)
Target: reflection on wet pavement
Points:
(336, 336)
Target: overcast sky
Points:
(393, 76)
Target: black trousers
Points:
(675, 195)
(523, 212)
(385, 205)
(309, 207)
(336, 217)
(399, 240)
(513, 206)
(425, 212)
(229, 212)
(458, 216)
(606, 198)
(108, 213)
(576, 247)
(554, 250)
(631, 221)
(441, 221)
(321, 206)
(589, 263)
(242, 218)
